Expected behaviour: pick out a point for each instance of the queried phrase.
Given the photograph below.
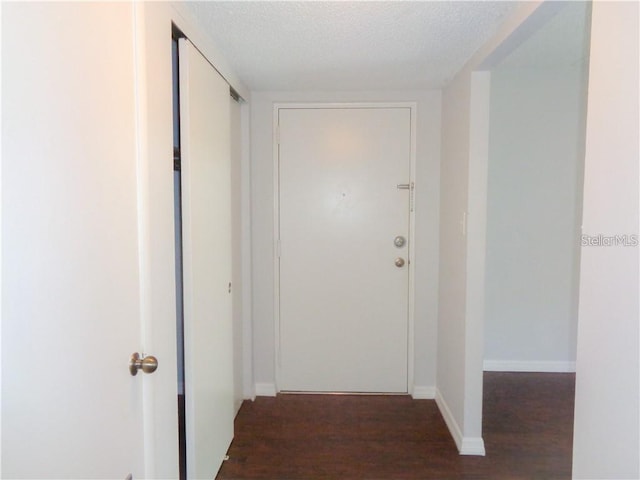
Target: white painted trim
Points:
(144, 231)
(472, 446)
(479, 106)
(413, 107)
(449, 419)
(245, 211)
(529, 366)
(1, 270)
(275, 142)
(466, 445)
(265, 390)
(422, 392)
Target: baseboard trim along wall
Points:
(265, 390)
(528, 366)
(472, 446)
(421, 392)
(466, 445)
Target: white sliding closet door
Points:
(206, 214)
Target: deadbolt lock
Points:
(148, 364)
(399, 241)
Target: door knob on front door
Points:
(399, 241)
(399, 262)
(148, 364)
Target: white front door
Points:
(206, 233)
(344, 199)
(73, 283)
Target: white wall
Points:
(606, 427)
(465, 123)
(463, 206)
(452, 288)
(426, 235)
(533, 217)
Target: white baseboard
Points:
(421, 392)
(249, 391)
(528, 366)
(466, 445)
(452, 425)
(472, 446)
(265, 390)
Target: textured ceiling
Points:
(349, 45)
(560, 42)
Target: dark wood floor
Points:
(527, 429)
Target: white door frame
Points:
(276, 224)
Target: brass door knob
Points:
(399, 262)
(148, 364)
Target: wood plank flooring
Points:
(527, 425)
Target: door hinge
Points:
(177, 161)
